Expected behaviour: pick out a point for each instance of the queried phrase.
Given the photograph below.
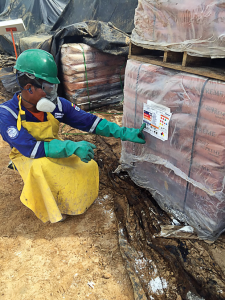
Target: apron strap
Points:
(21, 116)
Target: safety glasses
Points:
(49, 88)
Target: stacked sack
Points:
(189, 25)
(90, 77)
(186, 173)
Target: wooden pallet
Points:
(97, 103)
(204, 66)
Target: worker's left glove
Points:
(62, 149)
(108, 129)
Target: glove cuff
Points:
(46, 148)
(108, 129)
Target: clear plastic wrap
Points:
(197, 27)
(186, 173)
(90, 75)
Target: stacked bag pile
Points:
(188, 25)
(186, 173)
(90, 77)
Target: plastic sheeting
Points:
(38, 16)
(93, 33)
(118, 12)
(43, 17)
(186, 173)
(90, 77)
(197, 27)
(97, 34)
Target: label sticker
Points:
(156, 117)
(12, 132)
(58, 115)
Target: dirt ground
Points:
(75, 259)
(107, 253)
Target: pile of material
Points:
(91, 78)
(6, 60)
(193, 26)
(185, 174)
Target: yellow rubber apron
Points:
(54, 186)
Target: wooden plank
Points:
(170, 56)
(202, 71)
(130, 46)
(184, 62)
(99, 103)
(136, 50)
(189, 60)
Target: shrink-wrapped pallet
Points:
(186, 173)
(91, 78)
(197, 27)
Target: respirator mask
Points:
(49, 102)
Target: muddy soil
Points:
(107, 253)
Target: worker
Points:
(60, 177)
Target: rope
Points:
(102, 112)
(86, 76)
(193, 142)
(80, 133)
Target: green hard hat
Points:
(38, 62)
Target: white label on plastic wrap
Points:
(156, 117)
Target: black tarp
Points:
(102, 36)
(38, 16)
(43, 17)
(45, 32)
(99, 35)
(118, 12)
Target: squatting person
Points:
(60, 177)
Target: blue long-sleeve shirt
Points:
(24, 142)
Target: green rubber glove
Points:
(60, 149)
(108, 129)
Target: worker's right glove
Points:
(106, 128)
(60, 149)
